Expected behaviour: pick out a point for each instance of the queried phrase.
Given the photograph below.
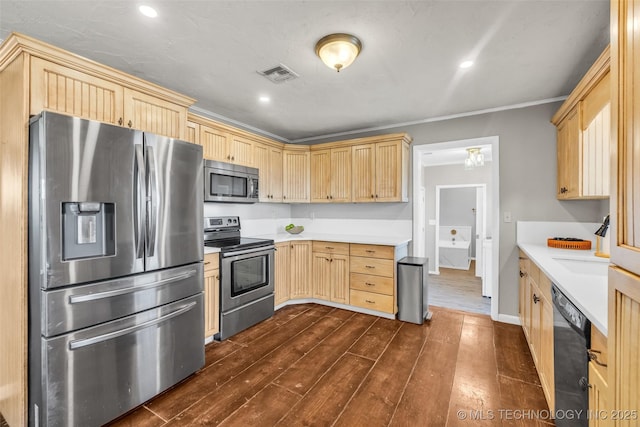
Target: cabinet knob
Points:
(233, 157)
(120, 121)
(327, 197)
(536, 298)
(376, 196)
(372, 196)
(130, 124)
(521, 273)
(228, 157)
(284, 197)
(331, 197)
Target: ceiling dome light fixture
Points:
(338, 51)
(474, 158)
(466, 64)
(148, 11)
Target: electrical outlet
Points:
(507, 216)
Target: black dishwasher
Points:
(571, 339)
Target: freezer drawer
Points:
(77, 307)
(92, 376)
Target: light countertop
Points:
(579, 275)
(344, 238)
(209, 250)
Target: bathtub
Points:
(455, 248)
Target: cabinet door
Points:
(193, 133)
(296, 176)
(241, 151)
(58, 88)
(151, 114)
(282, 272)
(625, 188)
(569, 164)
(546, 352)
(339, 278)
(211, 302)
(340, 173)
(388, 172)
(321, 275)
(363, 163)
(275, 174)
(215, 144)
(320, 176)
(261, 161)
(600, 413)
(301, 285)
(535, 326)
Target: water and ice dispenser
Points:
(88, 230)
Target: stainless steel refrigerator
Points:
(115, 268)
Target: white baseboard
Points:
(507, 318)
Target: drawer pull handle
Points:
(369, 301)
(522, 274)
(329, 247)
(369, 284)
(369, 251)
(593, 356)
(535, 298)
(370, 266)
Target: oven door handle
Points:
(248, 251)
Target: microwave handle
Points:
(251, 187)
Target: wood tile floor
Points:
(312, 365)
(458, 289)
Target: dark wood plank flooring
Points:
(312, 365)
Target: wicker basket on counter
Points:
(569, 244)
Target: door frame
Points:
(436, 262)
(494, 141)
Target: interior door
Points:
(174, 186)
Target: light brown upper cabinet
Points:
(331, 175)
(80, 92)
(224, 146)
(380, 170)
(268, 159)
(295, 165)
(193, 132)
(584, 129)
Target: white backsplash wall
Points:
(255, 218)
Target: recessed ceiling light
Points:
(264, 99)
(466, 64)
(148, 11)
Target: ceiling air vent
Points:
(280, 73)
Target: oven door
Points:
(245, 276)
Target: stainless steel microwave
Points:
(226, 182)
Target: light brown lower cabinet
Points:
(372, 278)
(211, 294)
(300, 261)
(536, 316)
(600, 414)
(282, 272)
(331, 271)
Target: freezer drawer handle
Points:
(74, 345)
(74, 299)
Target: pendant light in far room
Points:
(339, 50)
(474, 158)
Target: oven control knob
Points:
(228, 220)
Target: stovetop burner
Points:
(224, 233)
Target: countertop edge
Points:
(587, 307)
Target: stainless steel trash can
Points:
(413, 301)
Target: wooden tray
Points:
(564, 244)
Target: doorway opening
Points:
(456, 222)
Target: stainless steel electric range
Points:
(246, 275)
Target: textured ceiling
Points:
(524, 52)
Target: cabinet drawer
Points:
(371, 301)
(370, 283)
(372, 251)
(331, 247)
(211, 261)
(375, 266)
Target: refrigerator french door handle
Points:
(152, 201)
(139, 200)
(74, 299)
(76, 344)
